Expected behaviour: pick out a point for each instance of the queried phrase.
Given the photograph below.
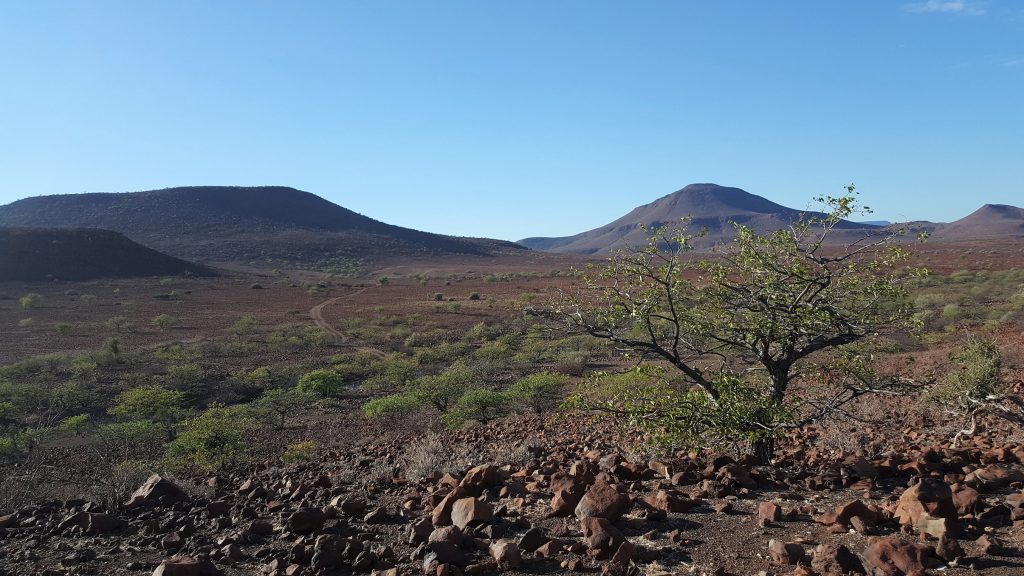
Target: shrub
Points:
(30, 300)
(164, 321)
(244, 326)
(279, 403)
(326, 383)
(474, 295)
(62, 328)
(539, 392)
(120, 324)
(438, 296)
(212, 441)
(153, 402)
(134, 440)
(184, 375)
(441, 390)
(394, 406)
(25, 322)
(87, 298)
(479, 404)
(299, 452)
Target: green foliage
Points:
(327, 383)
(164, 321)
(539, 392)
(30, 300)
(276, 404)
(215, 440)
(394, 406)
(26, 322)
(299, 452)
(87, 299)
(976, 380)
(441, 390)
(383, 280)
(184, 375)
(131, 440)
(62, 328)
(479, 404)
(391, 372)
(120, 324)
(774, 302)
(151, 402)
(438, 296)
(244, 326)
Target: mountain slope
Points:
(266, 224)
(988, 222)
(711, 207)
(82, 254)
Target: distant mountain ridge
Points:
(711, 207)
(263, 224)
(82, 254)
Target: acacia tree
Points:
(738, 328)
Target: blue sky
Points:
(518, 118)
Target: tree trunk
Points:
(763, 449)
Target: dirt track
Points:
(317, 314)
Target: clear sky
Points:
(518, 118)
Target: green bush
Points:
(299, 452)
(539, 392)
(328, 383)
(244, 326)
(152, 402)
(215, 440)
(25, 322)
(30, 300)
(277, 404)
(479, 404)
(438, 296)
(394, 406)
(134, 440)
(441, 390)
(975, 379)
(164, 321)
(184, 375)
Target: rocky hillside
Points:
(82, 254)
(268, 225)
(711, 207)
(564, 501)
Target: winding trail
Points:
(317, 314)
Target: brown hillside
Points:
(82, 254)
(711, 207)
(991, 221)
(268, 225)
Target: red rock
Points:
(928, 507)
(156, 489)
(836, 560)
(550, 549)
(470, 512)
(506, 554)
(846, 512)
(786, 553)
(602, 501)
(625, 553)
(893, 557)
(480, 478)
(600, 534)
(966, 501)
(768, 512)
(306, 520)
(442, 514)
(949, 549)
(738, 475)
(186, 566)
(669, 501)
(995, 476)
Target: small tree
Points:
(244, 326)
(737, 329)
(394, 406)
(280, 403)
(151, 402)
(214, 440)
(328, 383)
(164, 321)
(441, 390)
(539, 392)
(479, 404)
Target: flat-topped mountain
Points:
(265, 224)
(82, 254)
(991, 221)
(710, 206)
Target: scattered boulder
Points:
(786, 553)
(506, 554)
(768, 512)
(186, 566)
(306, 520)
(603, 500)
(836, 560)
(470, 512)
(600, 534)
(156, 489)
(893, 557)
